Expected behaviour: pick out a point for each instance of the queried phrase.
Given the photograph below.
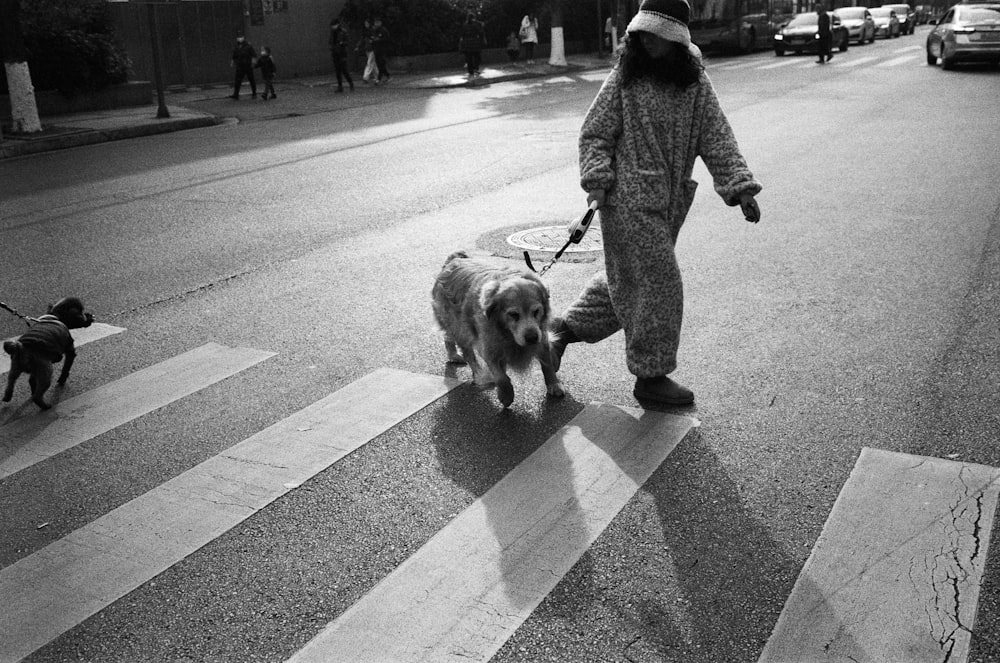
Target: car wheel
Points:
(747, 41)
(843, 43)
(946, 63)
(931, 58)
(778, 52)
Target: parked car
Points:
(799, 34)
(966, 33)
(924, 13)
(907, 16)
(886, 23)
(859, 23)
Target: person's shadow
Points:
(698, 569)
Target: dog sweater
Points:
(48, 338)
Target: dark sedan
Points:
(799, 34)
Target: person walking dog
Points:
(655, 114)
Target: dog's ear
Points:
(488, 301)
(543, 292)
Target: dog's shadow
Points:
(19, 408)
(478, 443)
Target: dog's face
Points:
(519, 305)
(70, 312)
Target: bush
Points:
(71, 46)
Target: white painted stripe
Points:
(466, 591)
(895, 574)
(855, 62)
(782, 63)
(31, 439)
(906, 49)
(66, 582)
(81, 336)
(895, 62)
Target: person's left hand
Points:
(751, 210)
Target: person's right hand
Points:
(598, 196)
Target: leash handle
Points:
(579, 227)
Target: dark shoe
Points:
(662, 390)
(274, 96)
(829, 57)
(820, 61)
(339, 89)
(234, 96)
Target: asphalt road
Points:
(861, 312)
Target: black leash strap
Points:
(576, 233)
(26, 319)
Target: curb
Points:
(14, 148)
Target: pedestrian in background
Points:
(529, 36)
(471, 43)
(243, 61)
(655, 114)
(380, 46)
(824, 33)
(267, 71)
(338, 52)
(365, 46)
(513, 46)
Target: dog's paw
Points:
(555, 391)
(505, 392)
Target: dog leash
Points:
(26, 319)
(576, 232)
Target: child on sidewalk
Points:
(267, 71)
(513, 46)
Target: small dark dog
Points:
(43, 345)
(500, 313)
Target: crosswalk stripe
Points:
(466, 591)
(895, 62)
(781, 63)
(856, 62)
(895, 574)
(56, 588)
(81, 336)
(31, 439)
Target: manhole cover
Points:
(552, 238)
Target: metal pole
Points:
(154, 34)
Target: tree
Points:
(557, 50)
(23, 107)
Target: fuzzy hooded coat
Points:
(639, 143)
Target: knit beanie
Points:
(667, 19)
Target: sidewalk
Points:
(207, 106)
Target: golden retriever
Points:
(499, 313)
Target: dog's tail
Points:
(453, 256)
(13, 348)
